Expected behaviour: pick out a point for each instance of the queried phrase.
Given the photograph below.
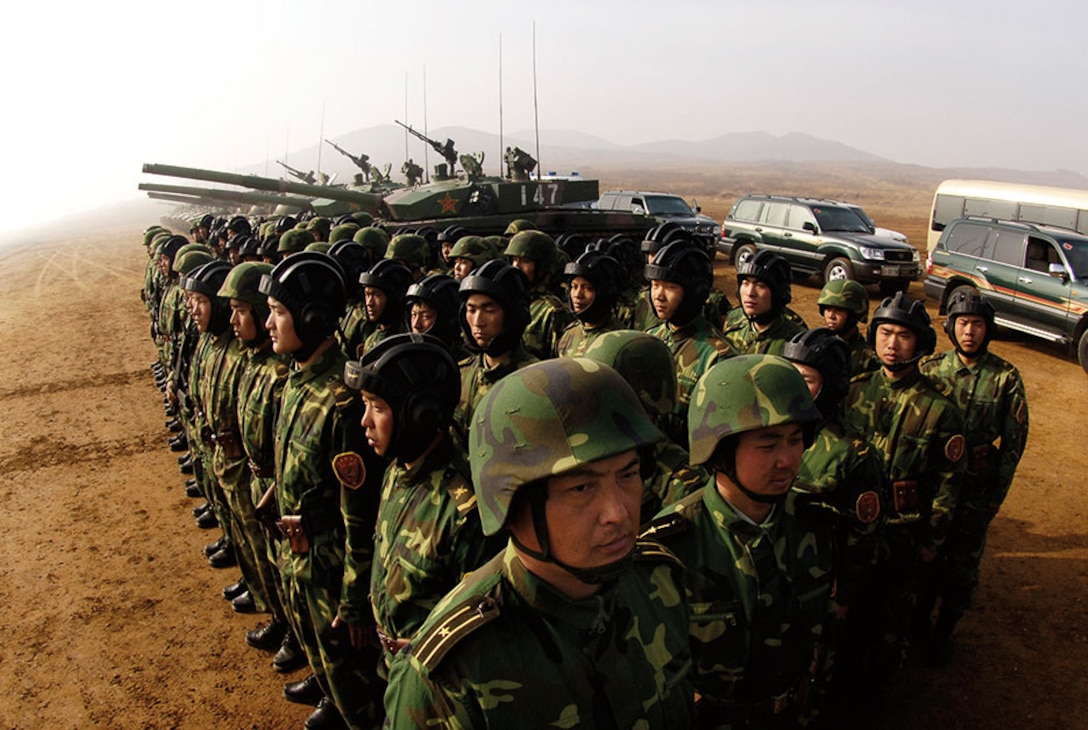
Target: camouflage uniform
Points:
(477, 379)
(746, 339)
(354, 330)
(379, 333)
(578, 336)
(863, 358)
(548, 317)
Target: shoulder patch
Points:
(867, 507)
(467, 617)
(463, 495)
(349, 468)
(955, 448)
(664, 526)
(341, 394)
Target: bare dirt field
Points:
(114, 619)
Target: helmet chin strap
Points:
(727, 466)
(765, 318)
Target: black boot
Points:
(290, 656)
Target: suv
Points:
(1036, 277)
(818, 236)
(665, 208)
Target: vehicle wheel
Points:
(743, 254)
(1082, 350)
(890, 287)
(838, 269)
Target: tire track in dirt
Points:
(61, 386)
(43, 452)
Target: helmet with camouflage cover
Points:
(473, 248)
(683, 263)
(294, 240)
(909, 313)
(537, 247)
(966, 301)
(605, 275)
(374, 240)
(410, 249)
(190, 257)
(545, 420)
(363, 218)
(518, 225)
(243, 283)
(319, 226)
(644, 362)
(343, 232)
(152, 232)
(824, 350)
(319, 247)
(845, 294)
(206, 280)
(746, 393)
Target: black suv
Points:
(664, 207)
(1036, 277)
(818, 236)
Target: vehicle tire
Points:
(1082, 350)
(891, 286)
(743, 254)
(837, 269)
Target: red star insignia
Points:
(448, 203)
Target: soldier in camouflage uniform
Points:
(643, 316)
(920, 434)
(384, 286)
(430, 307)
(413, 251)
(576, 623)
(646, 364)
(293, 241)
(320, 476)
(761, 324)
(843, 304)
(594, 281)
(428, 531)
(759, 565)
(354, 325)
(493, 314)
(535, 253)
(468, 254)
(991, 396)
(680, 279)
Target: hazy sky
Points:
(92, 90)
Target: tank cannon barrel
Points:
(232, 196)
(369, 202)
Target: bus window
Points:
(1002, 210)
(1049, 215)
(947, 209)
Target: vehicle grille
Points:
(897, 255)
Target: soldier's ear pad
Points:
(424, 411)
(315, 319)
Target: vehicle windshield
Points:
(864, 216)
(668, 205)
(839, 219)
(1076, 252)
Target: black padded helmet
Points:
(968, 301)
(909, 313)
(772, 270)
(354, 259)
(607, 278)
(508, 286)
(439, 291)
(310, 285)
(684, 264)
(207, 279)
(285, 223)
(822, 349)
(248, 246)
(239, 225)
(393, 278)
(419, 379)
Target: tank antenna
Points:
(502, 148)
(536, 109)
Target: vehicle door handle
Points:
(759, 230)
(1024, 279)
(983, 269)
(787, 235)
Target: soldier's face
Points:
(767, 459)
(242, 321)
(582, 294)
(527, 266)
(378, 422)
(835, 318)
(281, 328)
(894, 343)
(755, 297)
(813, 379)
(445, 249)
(970, 330)
(423, 317)
(666, 297)
(485, 318)
(462, 267)
(374, 299)
(202, 311)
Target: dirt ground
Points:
(114, 619)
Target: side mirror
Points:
(1058, 271)
(809, 226)
(695, 206)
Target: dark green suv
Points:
(823, 237)
(1036, 277)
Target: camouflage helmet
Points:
(845, 294)
(605, 275)
(343, 232)
(909, 313)
(774, 271)
(410, 249)
(967, 301)
(644, 362)
(682, 263)
(419, 379)
(242, 283)
(746, 393)
(191, 247)
(473, 248)
(206, 280)
(151, 233)
(318, 246)
(536, 246)
(824, 350)
(518, 225)
(374, 240)
(319, 226)
(545, 420)
(311, 286)
(294, 240)
(509, 287)
(440, 292)
(190, 258)
(363, 218)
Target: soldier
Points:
(319, 227)
(680, 279)
(430, 307)
(991, 396)
(594, 287)
(761, 323)
(919, 432)
(759, 567)
(354, 326)
(468, 254)
(318, 476)
(576, 623)
(493, 314)
(535, 253)
(446, 238)
(412, 251)
(428, 531)
(384, 287)
(293, 241)
(843, 304)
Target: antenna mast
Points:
(320, 137)
(536, 109)
(426, 131)
(502, 146)
(406, 158)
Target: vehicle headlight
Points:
(873, 253)
(914, 255)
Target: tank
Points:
(234, 197)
